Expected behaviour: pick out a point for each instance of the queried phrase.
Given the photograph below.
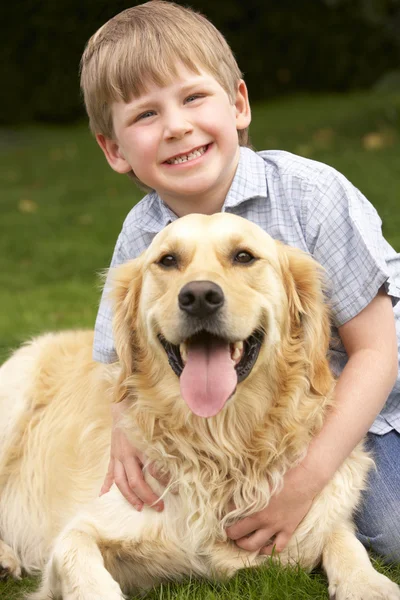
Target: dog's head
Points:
(213, 300)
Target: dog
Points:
(222, 335)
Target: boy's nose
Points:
(176, 126)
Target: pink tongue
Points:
(208, 378)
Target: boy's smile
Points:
(181, 140)
(188, 156)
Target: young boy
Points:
(168, 106)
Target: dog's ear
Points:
(308, 312)
(126, 281)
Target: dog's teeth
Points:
(237, 351)
(235, 354)
(183, 351)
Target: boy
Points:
(168, 106)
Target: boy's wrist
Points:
(117, 409)
(317, 470)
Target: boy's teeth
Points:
(186, 157)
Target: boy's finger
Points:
(139, 487)
(106, 486)
(242, 528)
(109, 479)
(255, 541)
(275, 545)
(121, 482)
(162, 478)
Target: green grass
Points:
(62, 208)
(271, 582)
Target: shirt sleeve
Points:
(344, 234)
(103, 346)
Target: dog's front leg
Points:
(350, 572)
(227, 558)
(76, 570)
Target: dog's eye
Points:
(168, 260)
(243, 257)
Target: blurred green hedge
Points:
(281, 46)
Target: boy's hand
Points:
(271, 528)
(125, 469)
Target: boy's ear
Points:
(243, 112)
(113, 154)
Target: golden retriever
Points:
(222, 335)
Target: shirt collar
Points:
(155, 215)
(249, 182)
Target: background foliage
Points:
(281, 46)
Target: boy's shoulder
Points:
(140, 226)
(312, 190)
(281, 163)
(302, 180)
(149, 215)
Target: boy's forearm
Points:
(117, 410)
(360, 394)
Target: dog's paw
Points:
(365, 586)
(9, 563)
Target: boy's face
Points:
(180, 140)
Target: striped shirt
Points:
(305, 204)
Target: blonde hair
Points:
(145, 43)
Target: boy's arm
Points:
(361, 391)
(130, 244)
(103, 345)
(125, 467)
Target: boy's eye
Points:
(145, 115)
(194, 97)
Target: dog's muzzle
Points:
(208, 363)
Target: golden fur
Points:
(55, 429)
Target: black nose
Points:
(200, 298)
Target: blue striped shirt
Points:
(305, 204)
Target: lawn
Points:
(62, 208)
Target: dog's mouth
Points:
(210, 368)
